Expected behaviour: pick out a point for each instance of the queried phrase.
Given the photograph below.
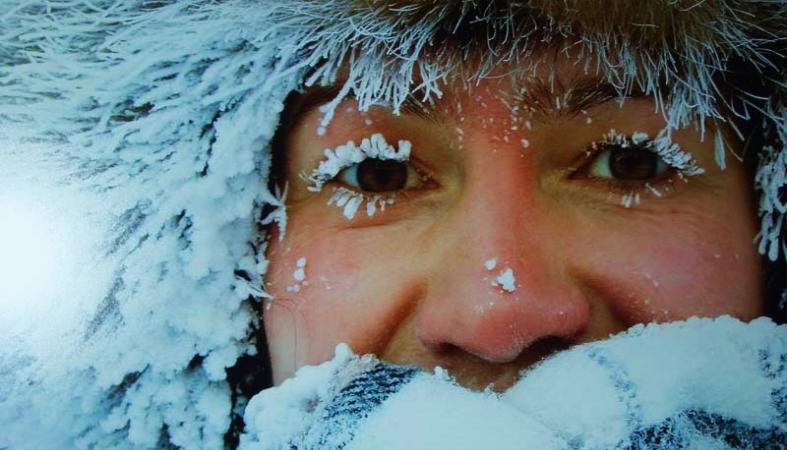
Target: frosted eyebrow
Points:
(543, 97)
(322, 94)
(558, 98)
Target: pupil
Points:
(381, 175)
(633, 163)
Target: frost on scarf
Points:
(145, 128)
(654, 387)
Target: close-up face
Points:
(393, 224)
(529, 215)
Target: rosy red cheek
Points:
(677, 279)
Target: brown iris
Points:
(633, 163)
(381, 175)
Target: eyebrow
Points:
(543, 98)
(567, 99)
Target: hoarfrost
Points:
(719, 150)
(506, 280)
(300, 266)
(346, 155)
(670, 383)
(639, 137)
(672, 154)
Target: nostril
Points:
(441, 349)
(478, 372)
(543, 348)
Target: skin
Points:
(409, 284)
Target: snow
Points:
(596, 395)
(453, 418)
(506, 280)
(278, 414)
(299, 274)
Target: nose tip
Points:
(498, 324)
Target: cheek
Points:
(678, 270)
(351, 292)
(295, 324)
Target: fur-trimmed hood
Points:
(153, 122)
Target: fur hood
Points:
(154, 121)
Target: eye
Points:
(628, 162)
(379, 175)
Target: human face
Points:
(597, 237)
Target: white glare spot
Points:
(490, 264)
(29, 254)
(525, 143)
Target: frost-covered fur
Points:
(164, 111)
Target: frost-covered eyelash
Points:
(661, 145)
(350, 201)
(343, 156)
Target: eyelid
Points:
(628, 193)
(350, 199)
(345, 155)
(419, 176)
(661, 145)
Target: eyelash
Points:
(344, 156)
(680, 166)
(350, 200)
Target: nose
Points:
(500, 280)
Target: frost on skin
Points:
(348, 154)
(299, 275)
(505, 279)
